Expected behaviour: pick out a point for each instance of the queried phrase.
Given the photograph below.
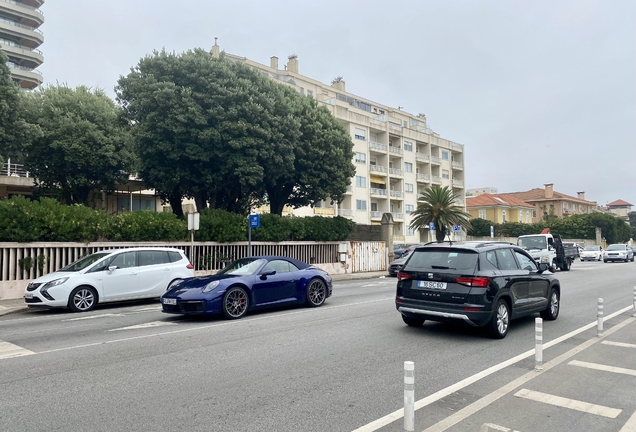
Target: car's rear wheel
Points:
(554, 305)
(500, 322)
(235, 303)
(82, 299)
(316, 292)
(412, 322)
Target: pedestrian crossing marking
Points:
(605, 368)
(568, 403)
(9, 350)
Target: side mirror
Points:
(112, 268)
(268, 273)
(543, 267)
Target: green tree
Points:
(14, 130)
(548, 214)
(632, 219)
(439, 207)
(84, 145)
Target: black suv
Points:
(484, 284)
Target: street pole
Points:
(249, 240)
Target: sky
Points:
(537, 91)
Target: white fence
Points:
(22, 262)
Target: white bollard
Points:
(634, 314)
(409, 396)
(599, 317)
(538, 342)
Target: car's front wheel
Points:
(235, 303)
(82, 299)
(316, 292)
(554, 305)
(412, 322)
(500, 322)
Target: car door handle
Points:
(133, 274)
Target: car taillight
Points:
(473, 281)
(190, 266)
(402, 276)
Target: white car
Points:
(618, 252)
(108, 276)
(592, 253)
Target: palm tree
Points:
(439, 207)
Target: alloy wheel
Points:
(84, 299)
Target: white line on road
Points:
(145, 325)
(108, 315)
(568, 403)
(157, 308)
(630, 426)
(605, 368)
(9, 350)
(487, 427)
(398, 414)
(619, 344)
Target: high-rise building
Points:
(397, 155)
(20, 38)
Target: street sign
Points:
(193, 221)
(431, 226)
(255, 221)
(457, 228)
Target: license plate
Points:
(169, 301)
(28, 295)
(431, 285)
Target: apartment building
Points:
(20, 38)
(397, 155)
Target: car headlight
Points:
(209, 287)
(53, 283)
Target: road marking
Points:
(9, 350)
(3, 308)
(158, 308)
(145, 325)
(630, 426)
(605, 368)
(398, 414)
(619, 344)
(572, 404)
(487, 427)
(108, 315)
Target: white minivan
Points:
(108, 276)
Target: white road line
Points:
(605, 368)
(108, 315)
(619, 344)
(9, 350)
(487, 427)
(568, 403)
(158, 308)
(630, 426)
(398, 414)
(145, 325)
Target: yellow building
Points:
(499, 208)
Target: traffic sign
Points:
(255, 221)
(431, 226)
(457, 228)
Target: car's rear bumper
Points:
(445, 313)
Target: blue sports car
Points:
(248, 284)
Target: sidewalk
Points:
(18, 305)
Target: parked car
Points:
(398, 251)
(618, 252)
(482, 284)
(397, 264)
(592, 253)
(108, 276)
(250, 283)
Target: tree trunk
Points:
(200, 200)
(175, 202)
(440, 233)
(278, 199)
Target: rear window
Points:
(441, 259)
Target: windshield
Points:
(618, 247)
(243, 267)
(82, 263)
(592, 248)
(537, 242)
(442, 259)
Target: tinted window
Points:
(455, 259)
(488, 261)
(82, 263)
(245, 266)
(174, 256)
(506, 260)
(525, 262)
(279, 265)
(151, 257)
(124, 260)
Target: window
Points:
(408, 167)
(408, 187)
(410, 231)
(445, 174)
(360, 134)
(506, 260)
(444, 155)
(525, 262)
(565, 206)
(138, 203)
(503, 216)
(527, 216)
(174, 256)
(302, 91)
(310, 93)
(153, 257)
(534, 213)
(124, 260)
(361, 157)
(482, 214)
(405, 123)
(280, 266)
(374, 207)
(409, 208)
(361, 181)
(520, 215)
(408, 146)
(361, 205)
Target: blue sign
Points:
(255, 221)
(431, 226)
(457, 228)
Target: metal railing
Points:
(395, 150)
(395, 127)
(17, 45)
(24, 6)
(422, 156)
(13, 170)
(16, 66)
(458, 183)
(16, 24)
(396, 193)
(378, 191)
(422, 177)
(437, 179)
(378, 168)
(395, 171)
(436, 160)
(376, 215)
(397, 216)
(345, 212)
(458, 165)
(377, 145)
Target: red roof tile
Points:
(619, 203)
(507, 200)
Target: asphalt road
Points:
(336, 368)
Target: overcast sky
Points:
(537, 91)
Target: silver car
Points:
(592, 253)
(618, 252)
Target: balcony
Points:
(437, 179)
(396, 172)
(378, 169)
(397, 193)
(458, 165)
(379, 147)
(395, 150)
(397, 216)
(25, 33)
(29, 15)
(422, 157)
(349, 189)
(394, 127)
(376, 215)
(377, 191)
(458, 183)
(436, 160)
(29, 57)
(328, 211)
(398, 238)
(13, 170)
(29, 79)
(457, 147)
(345, 212)
(423, 178)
